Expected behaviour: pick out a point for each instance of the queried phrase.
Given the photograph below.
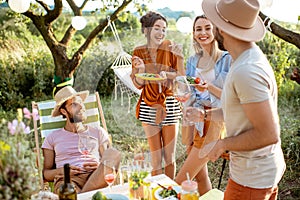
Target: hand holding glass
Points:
(109, 173)
(182, 92)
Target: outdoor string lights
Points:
(19, 6)
(184, 24)
(79, 22)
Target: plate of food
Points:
(194, 80)
(150, 76)
(171, 192)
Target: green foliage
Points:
(94, 73)
(289, 112)
(24, 80)
(18, 173)
(282, 56)
(27, 69)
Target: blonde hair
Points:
(197, 47)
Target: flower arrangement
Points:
(18, 172)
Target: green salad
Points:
(168, 192)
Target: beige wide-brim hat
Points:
(238, 18)
(65, 94)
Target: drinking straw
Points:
(188, 177)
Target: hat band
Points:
(225, 19)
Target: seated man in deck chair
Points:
(61, 146)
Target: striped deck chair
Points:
(48, 123)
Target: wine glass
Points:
(182, 92)
(86, 144)
(109, 173)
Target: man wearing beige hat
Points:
(61, 146)
(249, 105)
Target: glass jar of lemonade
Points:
(189, 190)
(138, 187)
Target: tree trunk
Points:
(64, 66)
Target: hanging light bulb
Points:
(264, 4)
(184, 24)
(19, 6)
(79, 22)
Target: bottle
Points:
(67, 190)
(189, 190)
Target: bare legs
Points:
(203, 180)
(169, 138)
(153, 134)
(162, 141)
(197, 168)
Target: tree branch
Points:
(98, 29)
(68, 35)
(83, 4)
(70, 32)
(76, 10)
(287, 35)
(54, 14)
(44, 29)
(44, 5)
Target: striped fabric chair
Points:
(48, 123)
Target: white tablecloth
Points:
(123, 189)
(213, 194)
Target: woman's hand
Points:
(201, 86)
(138, 63)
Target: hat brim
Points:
(55, 111)
(254, 34)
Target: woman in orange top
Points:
(157, 109)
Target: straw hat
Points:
(65, 94)
(238, 18)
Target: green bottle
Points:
(67, 190)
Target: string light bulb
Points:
(79, 22)
(184, 24)
(19, 6)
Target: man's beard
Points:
(75, 118)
